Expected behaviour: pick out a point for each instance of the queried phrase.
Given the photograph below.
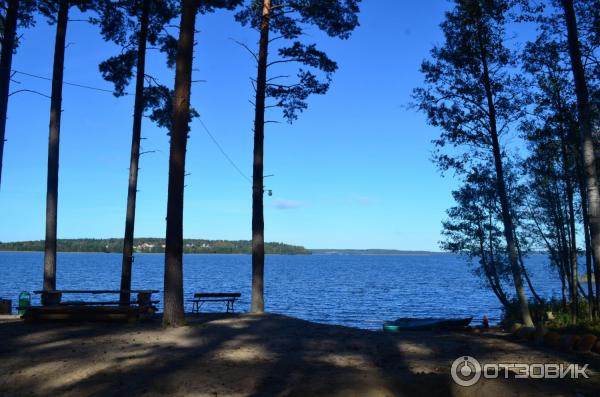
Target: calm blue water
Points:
(354, 290)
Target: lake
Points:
(354, 290)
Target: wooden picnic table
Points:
(54, 297)
(53, 309)
(228, 297)
(97, 291)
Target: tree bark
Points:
(592, 272)
(555, 257)
(537, 298)
(174, 314)
(8, 44)
(53, 147)
(495, 280)
(561, 234)
(572, 233)
(588, 154)
(135, 156)
(504, 203)
(575, 151)
(489, 270)
(258, 222)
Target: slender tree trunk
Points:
(525, 274)
(8, 44)
(494, 272)
(592, 272)
(581, 291)
(495, 286)
(492, 276)
(135, 155)
(563, 288)
(554, 256)
(566, 148)
(174, 314)
(53, 147)
(588, 154)
(590, 265)
(562, 244)
(572, 234)
(504, 204)
(561, 235)
(489, 268)
(258, 221)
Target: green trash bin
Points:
(24, 302)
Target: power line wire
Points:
(67, 83)
(213, 139)
(223, 152)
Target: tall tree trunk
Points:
(592, 272)
(174, 314)
(590, 265)
(563, 288)
(553, 255)
(561, 234)
(258, 221)
(501, 186)
(572, 234)
(524, 270)
(561, 241)
(135, 155)
(8, 44)
(588, 154)
(53, 147)
(494, 279)
(489, 269)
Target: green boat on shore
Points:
(426, 324)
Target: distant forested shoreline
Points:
(155, 245)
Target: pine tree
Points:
(472, 97)
(132, 24)
(474, 229)
(58, 13)
(586, 133)
(16, 14)
(287, 20)
(554, 164)
(173, 312)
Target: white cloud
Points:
(283, 204)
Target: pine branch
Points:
(246, 48)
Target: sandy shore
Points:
(245, 355)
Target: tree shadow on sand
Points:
(266, 355)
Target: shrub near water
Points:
(560, 321)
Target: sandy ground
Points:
(268, 355)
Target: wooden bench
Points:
(228, 297)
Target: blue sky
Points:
(353, 172)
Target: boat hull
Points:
(426, 324)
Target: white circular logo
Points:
(466, 371)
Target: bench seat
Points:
(228, 297)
